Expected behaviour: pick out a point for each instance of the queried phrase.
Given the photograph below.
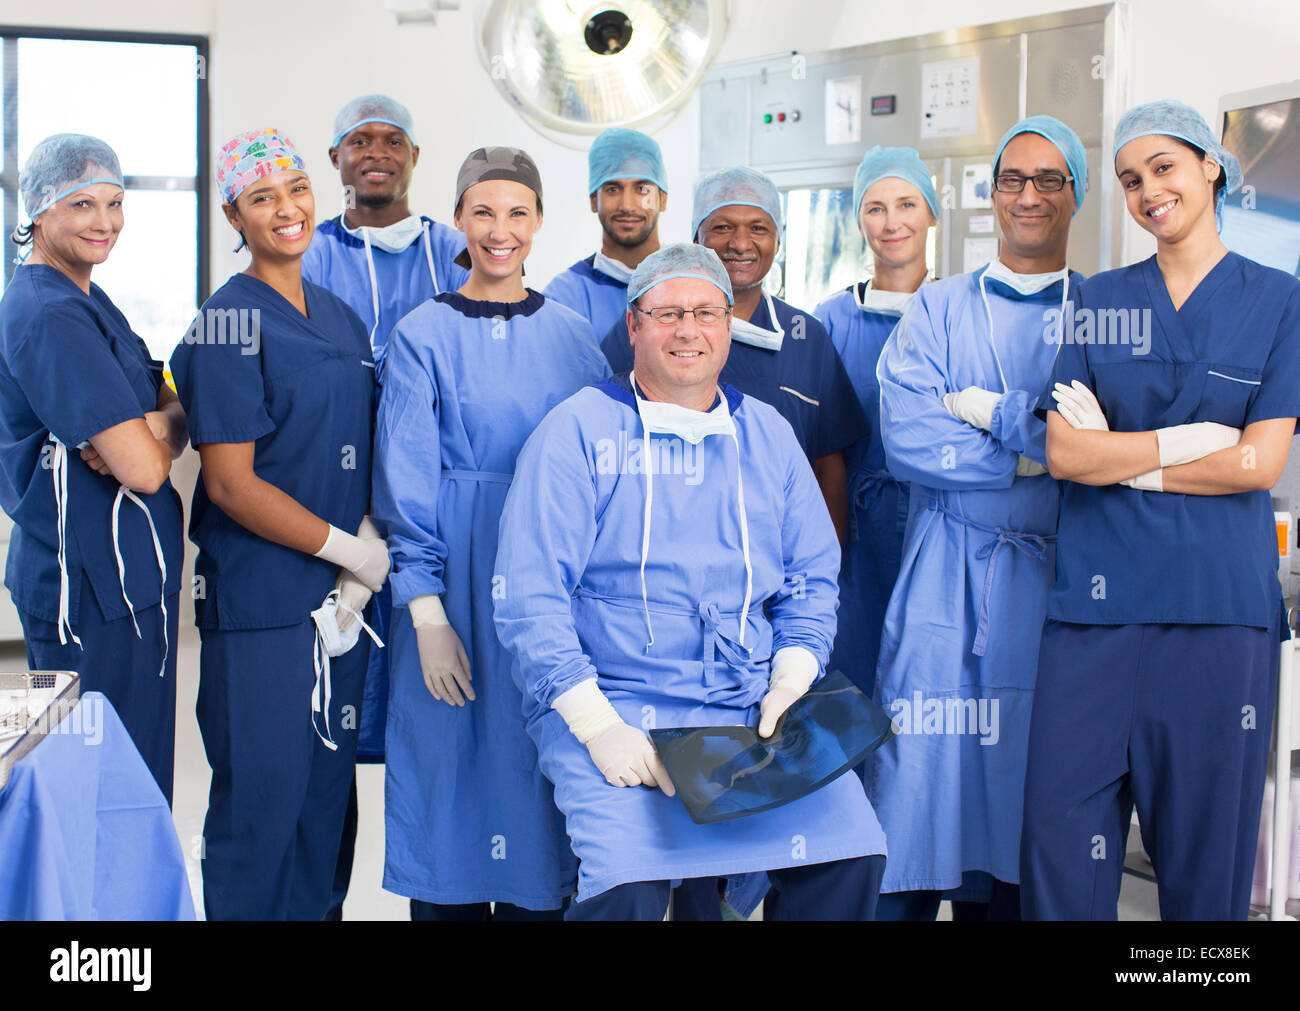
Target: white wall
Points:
(294, 64)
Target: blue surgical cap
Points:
(373, 109)
(894, 163)
(681, 259)
(1066, 141)
(625, 154)
(1174, 119)
(62, 164)
(732, 186)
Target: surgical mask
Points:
(890, 303)
(612, 268)
(1025, 284)
(673, 419)
(694, 427)
(747, 333)
(332, 641)
(392, 238)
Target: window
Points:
(146, 96)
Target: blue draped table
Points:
(85, 833)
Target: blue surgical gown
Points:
(877, 499)
(959, 648)
(593, 295)
(805, 380)
(337, 260)
(305, 399)
(70, 367)
(572, 609)
(1230, 354)
(469, 816)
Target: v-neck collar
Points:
(284, 306)
(1171, 319)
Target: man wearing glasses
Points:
(666, 561)
(960, 380)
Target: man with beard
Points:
(627, 183)
(383, 261)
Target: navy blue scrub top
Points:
(1231, 354)
(805, 381)
(304, 393)
(72, 366)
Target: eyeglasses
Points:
(1044, 182)
(668, 315)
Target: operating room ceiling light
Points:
(419, 12)
(574, 68)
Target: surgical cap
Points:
(248, 157)
(62, 164)
(894, 163)
(681, 259)
(1066, 141)
(733, 186)
(625, 154)
(486, 163)
(1174, 119)
(373, 109)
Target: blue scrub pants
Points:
(278, 796)
(370, 743)
(1175, 719)
(113, 661)
(837, 890)
(482, 912)
(1003, 905)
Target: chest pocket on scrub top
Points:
(1229, 390)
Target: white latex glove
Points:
(1185, 443)
(1078, 405)
(354, 595)
(366, 557)
(624, 755)
(1025, 467)
(973, 405)
(1152, 480)
(442, 656)
(793, 671)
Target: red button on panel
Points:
(780, 117)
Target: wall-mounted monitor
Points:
(1262, 128)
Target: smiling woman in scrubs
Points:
(74, 376)
(897, 205)
(277, 378)
(465, 379)
(1158, 664)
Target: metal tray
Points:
(16, 685)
